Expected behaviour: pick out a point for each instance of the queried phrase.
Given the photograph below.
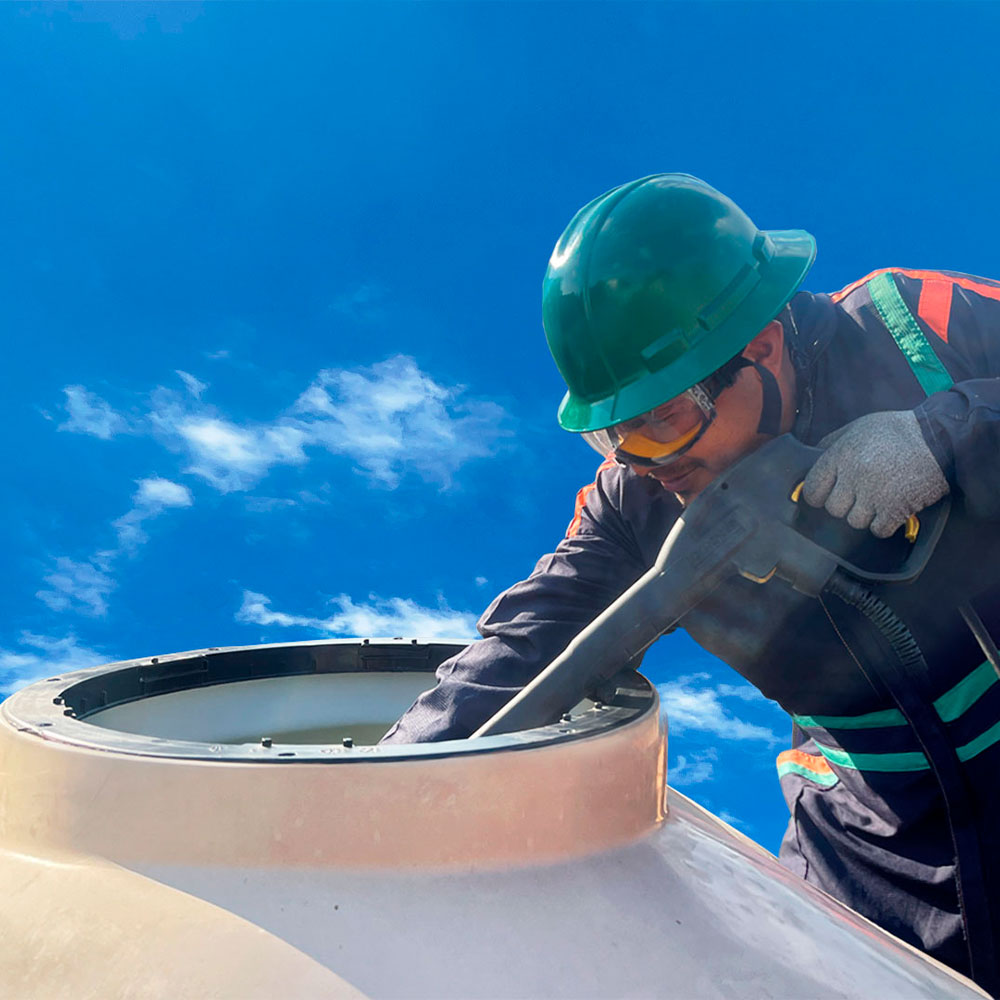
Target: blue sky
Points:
(271, 274)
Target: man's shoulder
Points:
(918, 280)
(618, 494)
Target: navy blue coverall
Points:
(868, 821)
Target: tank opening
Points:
(320, 701)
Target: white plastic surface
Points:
(311, 708)
(692, 911)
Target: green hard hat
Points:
(654, 286)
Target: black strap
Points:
(770, 410)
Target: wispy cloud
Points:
(693, 769)
(89, 414)
(193, 385)
(394, 616)
(153, 496)
(84, 585)
(692, 704)
(735, 821)
(78, 586)
(231, 457)
(393, 417)
(264, 505)
(390, 419)
(41, 656)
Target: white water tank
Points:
(220, 823)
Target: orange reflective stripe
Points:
(844, 292)
(581, 498)
(816, 764)
(935, 305)
(987, 289)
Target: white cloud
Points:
(84, 586)
(481, 581)
(691, 704)
(392, 417)
(743, 691)
(394, 616)
(156, 493)
(44, 657)
(232, 457)
(79, 586)
(693, 770)
(727, 817)
(264, 505)
(193, 385)
(152, 497)
(89, 414)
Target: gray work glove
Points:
(877, 471)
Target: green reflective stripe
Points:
(873, 720)
(826, 779)
(925, 364)
(966, 692)
(980, 743)
(915, 761)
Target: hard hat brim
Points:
(794, 253)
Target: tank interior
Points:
(304, 709)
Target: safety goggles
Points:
(660, 436)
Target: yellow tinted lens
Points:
(645, 447)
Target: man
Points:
(685, 345)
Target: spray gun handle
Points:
(923, 532)
(802, 544)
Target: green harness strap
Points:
(933, 377)
(900, 322)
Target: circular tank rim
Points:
(56, 709)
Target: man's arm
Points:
(961, 425)
(527, 626)
(882, 467)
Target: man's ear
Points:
(767, 348)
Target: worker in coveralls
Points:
(685, 343)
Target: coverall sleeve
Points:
(962, 424)
(527, 626)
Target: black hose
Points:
(889, 624)
(907, 680)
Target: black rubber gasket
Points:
(56, 709)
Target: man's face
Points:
(725, 441)
(733, 433)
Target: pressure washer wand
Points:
(682, 576)
(739, 524)
(747, 522)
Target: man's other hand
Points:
(876, 471)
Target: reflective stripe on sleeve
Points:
(806, 765)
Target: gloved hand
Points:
(877, 471)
